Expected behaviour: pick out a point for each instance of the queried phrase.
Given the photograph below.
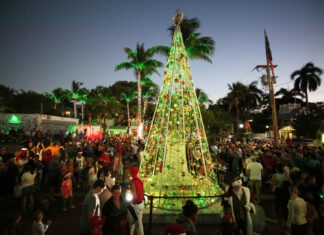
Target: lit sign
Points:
(14, 119)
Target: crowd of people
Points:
(295, 174)
(45, 170)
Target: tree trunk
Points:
(82, 112)
(139, 98)
(145, 106)
(75, 108)
(306, 97)
(128, 118)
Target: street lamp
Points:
(240, 129)
(267, 130)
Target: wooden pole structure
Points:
(270, 82)
(273, 108)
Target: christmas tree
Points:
(176, 160)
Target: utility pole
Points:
(270, 80)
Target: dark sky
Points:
(45, 44)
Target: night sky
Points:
(46, 44)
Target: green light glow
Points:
(71, 128)
(14, 119)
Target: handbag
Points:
(131, 215)
(96, 221)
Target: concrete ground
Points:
(66, 223)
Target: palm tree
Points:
(197, 47)
(143, 64)
(74, 94)
(96, 107)
(253, 97)
(236, 95)
(128, 99)
(203, 98)
(243, 98)
(146, 96)
(83, 98)
(289, 96)
(106, 100)
(149, 89)
(307, 79)
(56, 96)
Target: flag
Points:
(268, 53)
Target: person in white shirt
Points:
(254, 171)
(109, 183)
(92, 171)
(80, 164)
(28, 187)
(297, 211)
(91, 207)
(38, 227)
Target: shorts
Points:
(255, 183)
(29, 190)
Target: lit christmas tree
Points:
(176, 160)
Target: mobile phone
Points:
(24, 149)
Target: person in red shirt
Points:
(67, 191)
(104, 160)
(137, 190)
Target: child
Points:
(228, 225)
(38, 227)
(67, 191)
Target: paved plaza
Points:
(265, 221)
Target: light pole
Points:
(241, 128)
